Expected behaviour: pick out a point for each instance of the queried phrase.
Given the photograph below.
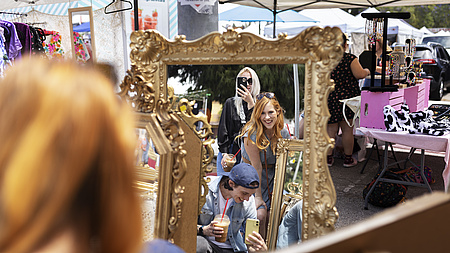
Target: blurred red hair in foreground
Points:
(66, 162)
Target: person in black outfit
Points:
(345, 76)
(236, 112)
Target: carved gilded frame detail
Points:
(318, 48)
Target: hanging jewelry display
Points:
(374, 29)
(410, 48)
(397, 63)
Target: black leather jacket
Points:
(230, 124)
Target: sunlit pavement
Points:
(349, 184)
(446, 98)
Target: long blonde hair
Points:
(255, 124)
(66, 160)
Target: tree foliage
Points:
(220, 81)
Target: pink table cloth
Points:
(420, 141)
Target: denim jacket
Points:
(238, 213)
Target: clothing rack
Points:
(37, 23)
(13, 13)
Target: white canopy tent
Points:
(426, 31)
(398, 29)
(281, 5)
(11, 4)
(326, 17)
(277, 6)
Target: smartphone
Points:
(242, 81)
(250, 226)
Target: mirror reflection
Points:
(82, 30)
(290, 227)
(223, 85)
(293, 178)
(147, 166)
(286, 218)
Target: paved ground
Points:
(446, 97)
(349, 184)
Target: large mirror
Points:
(287, 186)
(182, 180)
(82, 30)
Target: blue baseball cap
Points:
(243, 174)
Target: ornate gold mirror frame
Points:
(182, 182)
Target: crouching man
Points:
(238, 187)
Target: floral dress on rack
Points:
(53, 49)
(345, 86)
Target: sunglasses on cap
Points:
(265, 94)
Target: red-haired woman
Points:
(260, 136)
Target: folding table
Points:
(415, 141)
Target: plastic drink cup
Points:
(223, 223)
(230, 163)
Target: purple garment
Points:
(24, 34)
(14, 46)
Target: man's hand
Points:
(212, 230)
(257, 243)
(225, 157)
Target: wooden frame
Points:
(83, 10)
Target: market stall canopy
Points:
(11, 4)
(280, 5)
(426, 31)
(254, 14)
(53, 7)
(395, 26)
(326, 17)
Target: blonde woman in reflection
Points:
(236, 112)
(66, 162)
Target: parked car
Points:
(444, 40)
(436, 65)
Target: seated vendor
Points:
(378, 66)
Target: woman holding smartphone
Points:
(236, 112)
(260, 137)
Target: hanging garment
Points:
(81, 51)
(53, 49)
(24, 35)
(13, 44)
(37, 38)
(4, 60)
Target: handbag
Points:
(386, 194)
(354, 104)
